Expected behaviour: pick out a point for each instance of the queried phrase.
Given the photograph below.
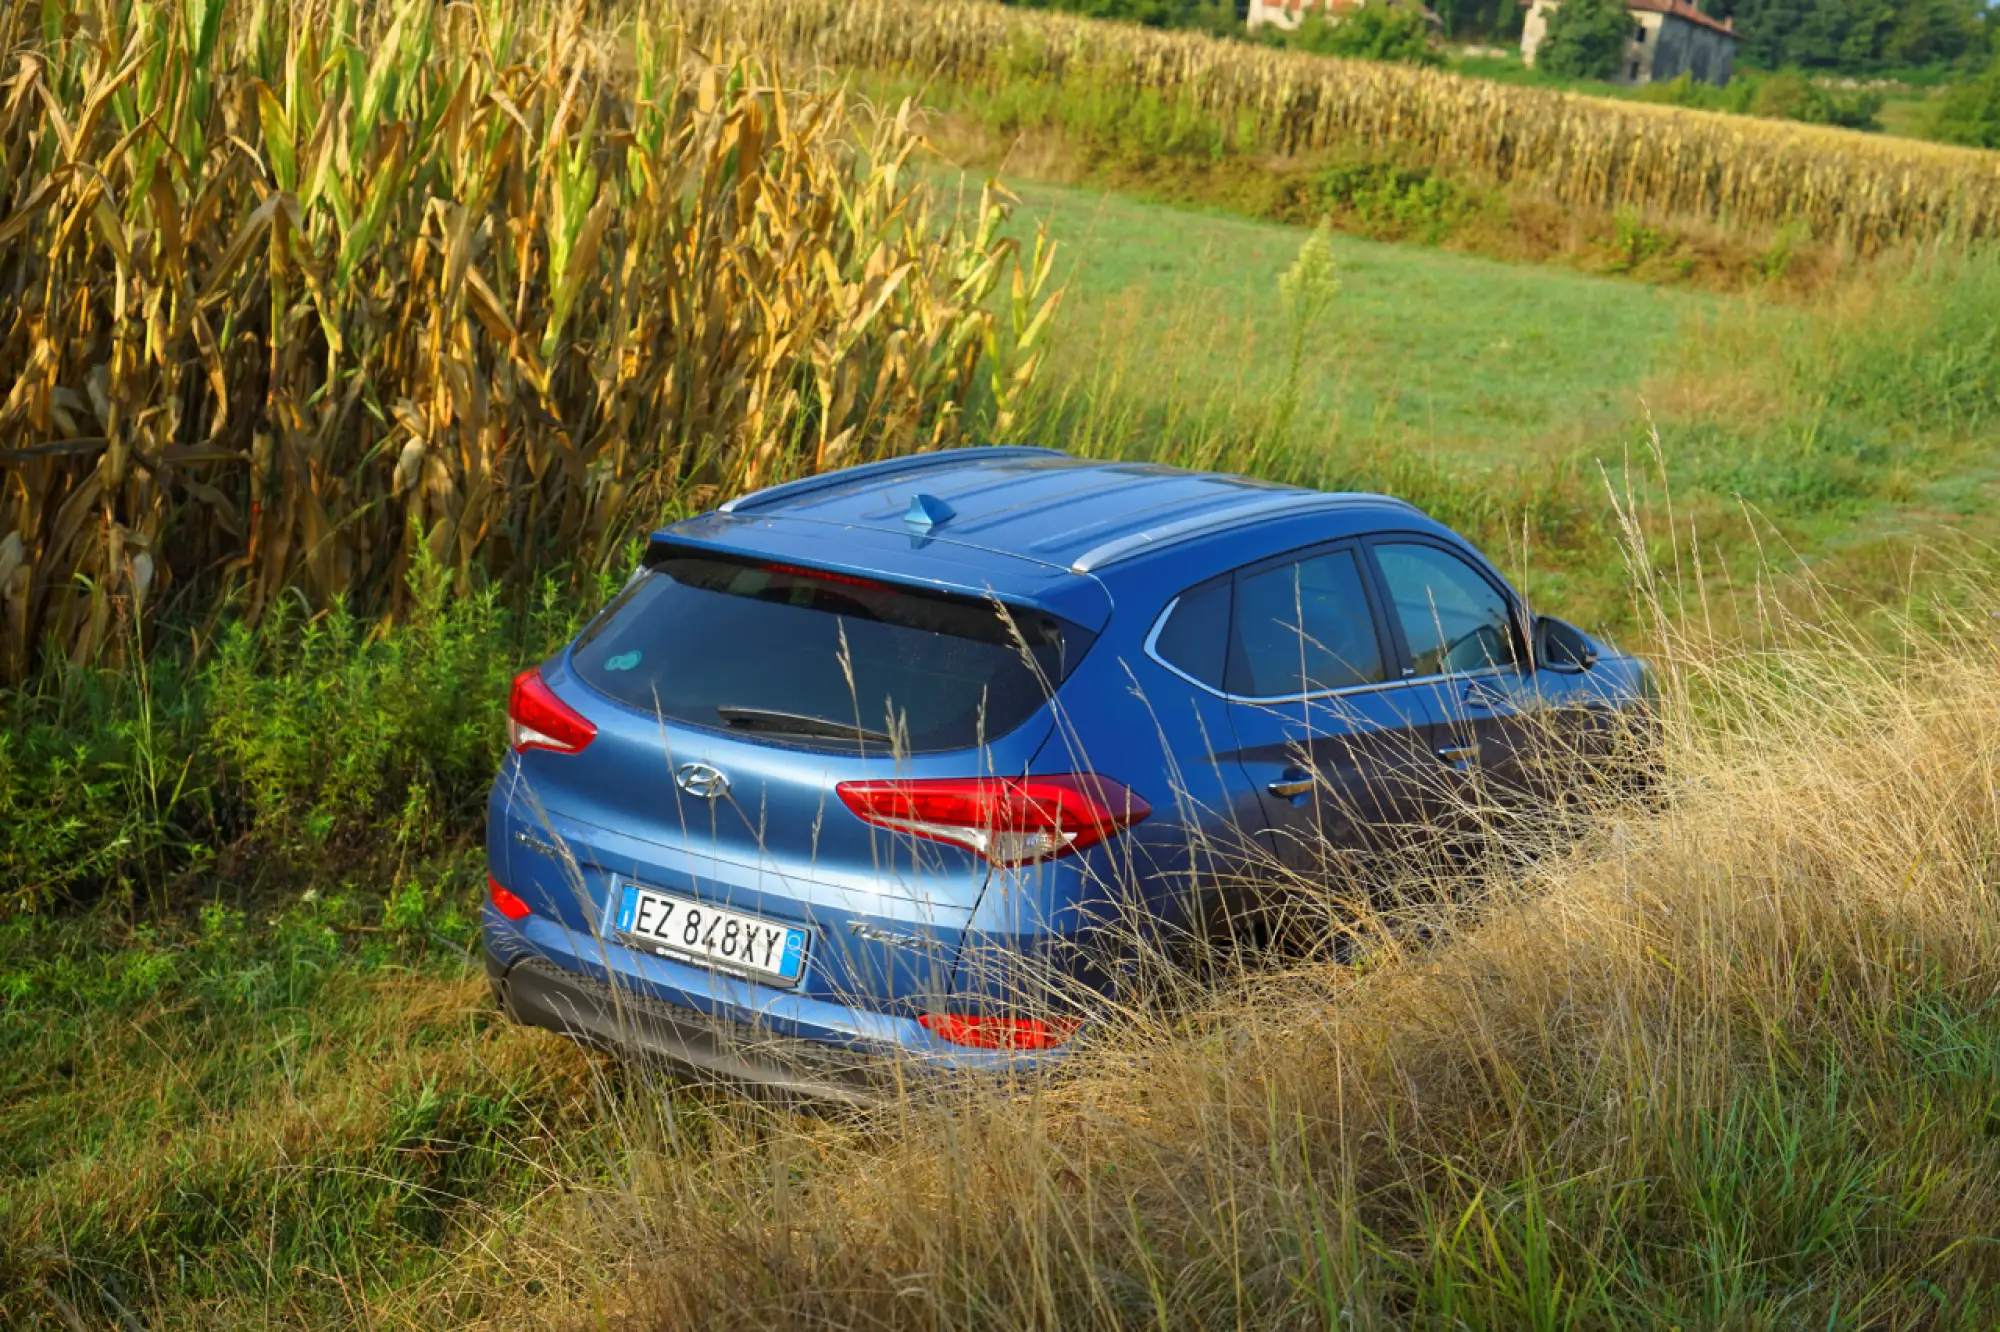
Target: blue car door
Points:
(1460, 632)
(1331, 738)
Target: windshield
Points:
(806, 656)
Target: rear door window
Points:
(1304, 627)
(805, 656)
(1452, 616)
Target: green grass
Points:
(303, 1107)
(1477, 360)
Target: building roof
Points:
(1681, 9)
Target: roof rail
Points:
(915, 462)
(1201, 524)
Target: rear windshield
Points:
(802, 656)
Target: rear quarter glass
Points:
(794, 655)
(1195, 638)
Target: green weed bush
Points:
(1929, 360)
(1211, 16)
(98, 779)
(1970, 113)
(1790, 95)
(1398, 203)
(1384, 30)
(1113, 123)
(302, 732)
(1633, 242)
(312, 724)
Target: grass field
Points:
(1839, 433)
(1727, 1060)
(1478, 360)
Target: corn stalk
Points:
(296, 293)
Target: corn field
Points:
(1864, 191)
(297, 295)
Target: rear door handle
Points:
(1459, 755)
(1292, 785)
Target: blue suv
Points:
(856, 767)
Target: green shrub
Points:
(1633, 242)
(1790, 95)
(99, 779)
(1970, 112)
(1398, 203)
(1684, 89)
(1776, 261)
(315, 728)
(304, 733)
(1785, 95)
(1213, 16)
(1384, 30)
(1586, 39)
(1112, 121)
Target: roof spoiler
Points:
(875, 471)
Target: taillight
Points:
(1007, 820)
(506, 903)
(537, 719)
(1000, 1033)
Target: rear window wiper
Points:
(794, 723)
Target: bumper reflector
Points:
(506, 903)
(1000, 1033)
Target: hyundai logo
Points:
(701, 781)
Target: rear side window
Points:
(1304, 628)
(1195, 638)
(1453, 619)
(803, 656)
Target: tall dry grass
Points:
(295, 292)
(1729, 1056)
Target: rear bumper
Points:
(537, 993)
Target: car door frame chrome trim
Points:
(1374, 687)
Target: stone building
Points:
(1669, 38)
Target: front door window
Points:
(1453, 619)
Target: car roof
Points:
(1040, 505)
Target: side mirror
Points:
(1560, 646)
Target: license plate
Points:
(701, 932)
